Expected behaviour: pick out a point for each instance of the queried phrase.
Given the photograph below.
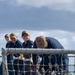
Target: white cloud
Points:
(67, 5)
(73, 38)
(64, 41)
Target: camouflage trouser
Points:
(10, 69)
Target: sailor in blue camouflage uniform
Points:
(28, 43)
(7, 38)
(43, 61)
(15, 43)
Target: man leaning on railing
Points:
(46, 63)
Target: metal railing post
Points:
(4, 62)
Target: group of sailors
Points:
(34, 63)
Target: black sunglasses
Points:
(12, 38)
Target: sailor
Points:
(15, 43)
(47, 59)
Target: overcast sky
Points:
(31, 14)
(54, 18)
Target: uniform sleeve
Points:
(56, 44)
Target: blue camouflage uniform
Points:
(7, 46)
(57, 58)
(28, 44)
(18, 44)
(10, 59)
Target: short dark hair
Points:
(7, 35)
(25, 32)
